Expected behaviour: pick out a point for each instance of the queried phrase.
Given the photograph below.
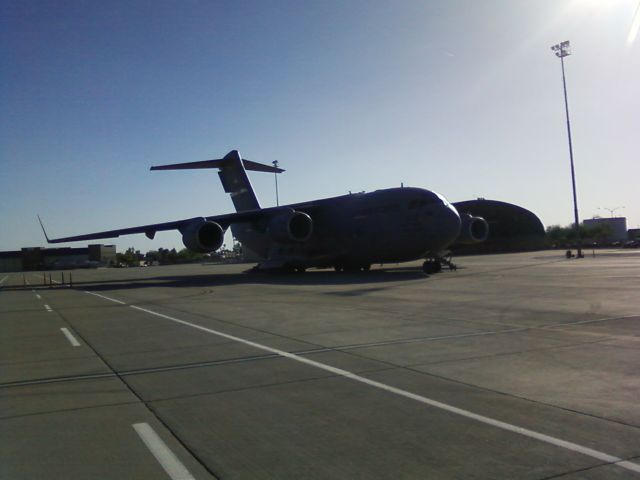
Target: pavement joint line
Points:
(514, 329)
(140, 371)
(42, 381)
(582, 322)
(412, 396)
(163, 454)
(423, 339)
(72, 340)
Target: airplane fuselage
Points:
(357, 230)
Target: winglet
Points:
(43, 230)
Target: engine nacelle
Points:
(472, 230)
(202, 236)
(290, 227)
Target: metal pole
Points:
(275, 175)
(573, 173)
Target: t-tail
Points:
(233, 175)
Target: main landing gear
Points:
(431, 266)
(352, 268)
(434, 265)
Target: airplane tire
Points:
(431, 266)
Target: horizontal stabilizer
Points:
(220, 163)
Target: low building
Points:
(616, 225)
(37, 258)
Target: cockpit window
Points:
(427, 198)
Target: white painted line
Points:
(47, 307)
(174, 467)
(3, 279)
(106, 298)
(38, 297)
(418, 398)
(70, 337)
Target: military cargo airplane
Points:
(348, 233)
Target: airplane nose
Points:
(449, 225)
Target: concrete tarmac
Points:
(519, 366)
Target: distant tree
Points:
(129, 257)
(563, 236)
(186, 256)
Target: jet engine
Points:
(472, 229)
(202, 236)
(291, 227)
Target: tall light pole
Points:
(275, 175)
(562, 50)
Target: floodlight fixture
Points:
(562, 49)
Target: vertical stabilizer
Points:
(236, 182)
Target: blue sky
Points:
(461, 97)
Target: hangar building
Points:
(511, 227)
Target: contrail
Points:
(635, 26)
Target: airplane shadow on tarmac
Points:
(311, 278)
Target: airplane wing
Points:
(150, 230)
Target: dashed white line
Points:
(403, 393)
(70, 337)
(174, 467)
(47, 307)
